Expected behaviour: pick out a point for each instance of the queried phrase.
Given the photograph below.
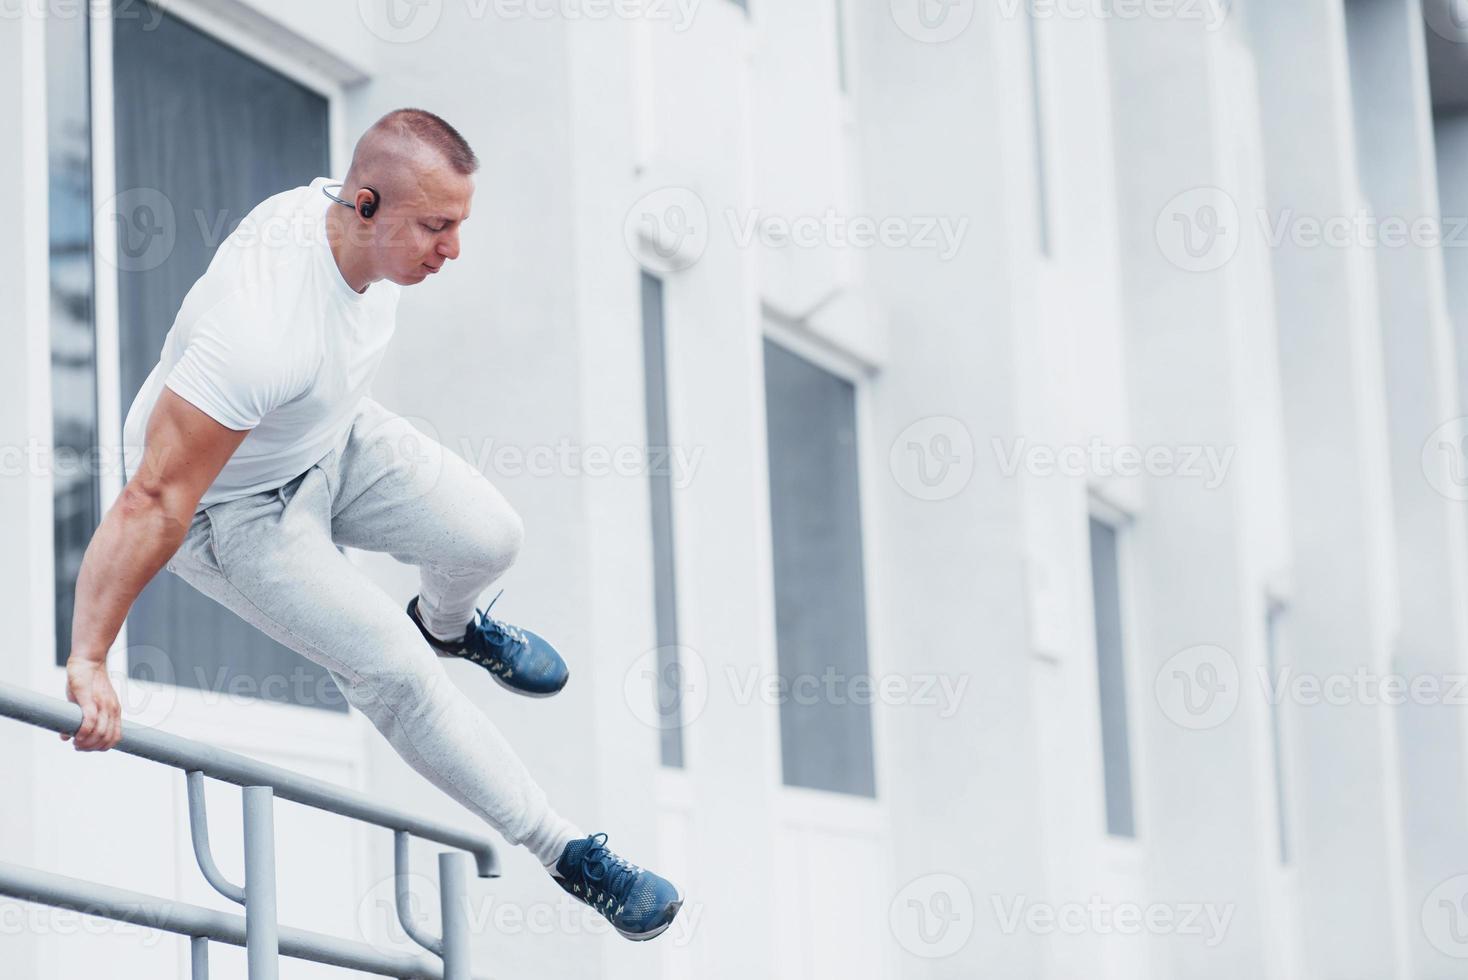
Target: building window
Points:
(820, 604)
(1106, 589)
(1037, 115)
(665, 585)
(1274, 623)
(76, 490)
(213, 133)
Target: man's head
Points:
(422, 171)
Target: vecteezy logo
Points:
(667, 230)
(400, 21)
(933, 21)
(1445, 459)
(1198, 688)
(148, 692)
(1445, 917)
(667, 686)
(1448, 19)
(933, 916)
(1199, 230)
(406, 451)
(143, 220)
(377, 913)
(933, 459)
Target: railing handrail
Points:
(183, 919)
(230, 767)
(258, 930)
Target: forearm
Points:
(138, 535)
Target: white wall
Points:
(22, 258)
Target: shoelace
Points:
(498, 629)
(613, 877)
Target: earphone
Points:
(368, 208)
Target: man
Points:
(253, 451)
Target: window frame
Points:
(1127, 850)
(799, 809)
(798, 802)
(680, 733)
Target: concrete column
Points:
(1195, 323)
(1344, 613)
(1394, 136)
(938, 141)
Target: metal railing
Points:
(258, 930)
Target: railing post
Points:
(199, 956)
(262, 939)
(453, 887)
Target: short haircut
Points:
(432, 130)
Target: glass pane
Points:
(205, 133)
(76, 490)
(669, 685)
(1111, 677)
(820, 601)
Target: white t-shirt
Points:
(271, 339)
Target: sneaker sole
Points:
(642, 937)
(501, 682)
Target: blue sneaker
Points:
(639, 904)
(521, 661)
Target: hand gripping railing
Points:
(258, 930)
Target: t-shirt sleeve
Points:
(230, 379)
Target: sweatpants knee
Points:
(498, 544)
(402, 673)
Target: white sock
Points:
(436, 627)
(548, 841)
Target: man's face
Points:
(417, 229)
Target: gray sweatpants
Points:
(272, 558)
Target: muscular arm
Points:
(185, 450)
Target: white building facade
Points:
(996, 469)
